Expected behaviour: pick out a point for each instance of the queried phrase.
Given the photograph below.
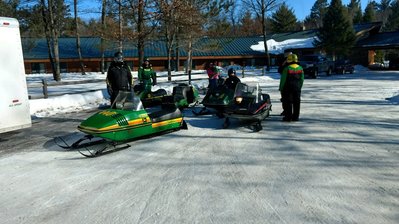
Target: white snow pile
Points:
(67, 103)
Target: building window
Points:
(38, 68)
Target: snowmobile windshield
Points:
(128, 101)
(248, 90)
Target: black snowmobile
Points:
(250, 105)
(218, 99)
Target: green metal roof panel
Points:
(206, 46)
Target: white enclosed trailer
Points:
(14, 103)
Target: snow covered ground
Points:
(338, 164)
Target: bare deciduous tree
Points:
(103, 28)
(75, 7)
(261, 9)
(52, 13)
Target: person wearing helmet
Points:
(119, 76)
(147, 77)
(291, 83)
(281, 68)
(232, 80)
(284, 63)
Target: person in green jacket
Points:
(291, 83)
(147, 78)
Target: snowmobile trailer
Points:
(14, 103)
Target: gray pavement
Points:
(338, 164)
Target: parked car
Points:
(314, 64)
(344, 66)
(377, 66)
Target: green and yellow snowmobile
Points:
(129, 121)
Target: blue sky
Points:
(302, 7)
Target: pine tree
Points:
(317, 13)
(283, 20)
(249, 26)
(383, 11)
(337, 35)
(369, 13)
(9, 8)
(393, 19)
(355, 11)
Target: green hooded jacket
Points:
(292, 76)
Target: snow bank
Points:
(67, 103)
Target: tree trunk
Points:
(54, 37)
(82, 67)
(140, 31)
(189, 55)
(120, 26)
(177, 62)
(264, 36)
(104, 26)
(169, 46)
(47, 33)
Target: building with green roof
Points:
(224, 51)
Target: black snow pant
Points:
(291, 104)
(115, 93)
(113, 97)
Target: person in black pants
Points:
(291, 83)
(280, 71)
(119, 77)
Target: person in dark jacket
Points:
(232, 81)
(291, 83)
(119, 76)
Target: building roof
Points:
(36, 48)
(206, 46)
(380, 41)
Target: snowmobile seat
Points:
(138, 88)
(163, 115)
(159, 92)
(183, 91)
